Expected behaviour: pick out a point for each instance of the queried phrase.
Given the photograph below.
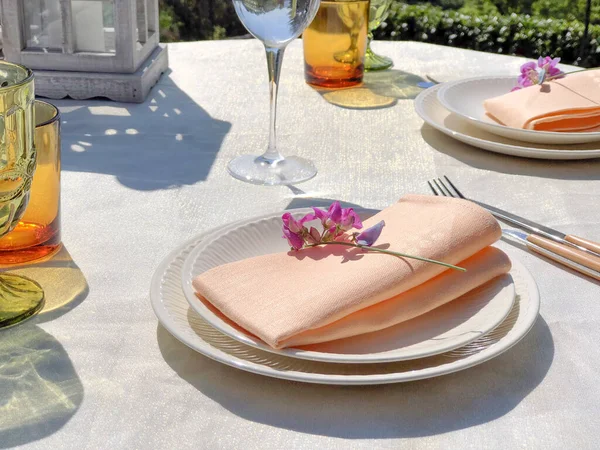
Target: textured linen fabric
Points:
(138, 180)
(571, 103)
(264, 295)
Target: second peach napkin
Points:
(569, 104)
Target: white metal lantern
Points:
(86, 48)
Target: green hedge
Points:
(514, 34)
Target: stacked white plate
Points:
(456, 109)
(466, 332)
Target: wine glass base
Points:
(377, 62)
(20, 298)
(258, 170)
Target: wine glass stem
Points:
(369, 39)
(274, 60)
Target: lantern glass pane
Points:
(43, 25)
(94, 25)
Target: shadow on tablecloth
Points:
(452, 402)
(482, 159)
(167, 141)
(64, 284)
(39, 388)
(379, 90)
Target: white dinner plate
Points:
(174, 313)
(465, 98)
(433, 113)
(445, 328)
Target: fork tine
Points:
(454, 187)
(450, 193)
(442, 191)
(432, 188)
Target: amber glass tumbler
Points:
(335, 44)
(37, 234)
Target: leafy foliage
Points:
(517, 27)
(186, 20)
(514, 34)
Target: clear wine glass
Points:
(276, 23)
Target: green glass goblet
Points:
(378, 12)
(20, 297)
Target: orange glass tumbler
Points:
(335, 44)
(37, 235)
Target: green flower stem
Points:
(389, 252)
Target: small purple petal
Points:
(527, 67)
(307, 218)
(542, 61)
(350, 220)
(313, 236)
(370, 235)
(295, 240)
(291, 223)
(320, 214)
(335, 212)
(334, 232)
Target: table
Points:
(96, 371)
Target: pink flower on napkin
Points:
(533, 73)
(336, 222)
(294, 230)
(550, 65)
(350, 220)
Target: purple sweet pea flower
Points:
(350, 220)
(295, 226)
(336, 219)
(327, 218)
(335, 212)
(528, 76)
(313, 236)
(528, 67)
(550, 65)
(533, 73)
(294, 239)
(370, 235)
(294, 230)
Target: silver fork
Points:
(560, 253)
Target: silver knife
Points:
(522, 238)
(535, 228)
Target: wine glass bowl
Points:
(276, 23)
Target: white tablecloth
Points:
(101, 373)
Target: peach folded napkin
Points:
(331, 292)
(570, 104)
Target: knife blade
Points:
(533, 227)
(526, 240)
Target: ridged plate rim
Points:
(190, 332)
(533, 136)
(490, 142)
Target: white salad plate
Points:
(431, 110)
(175, 314)
(465, 99)
(450, 326)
